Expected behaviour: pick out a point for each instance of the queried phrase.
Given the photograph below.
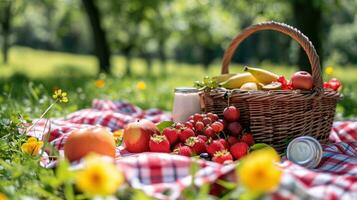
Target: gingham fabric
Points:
(164, 176)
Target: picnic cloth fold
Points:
(164, 176)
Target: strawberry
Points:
(224, 143)
(232, 140)
(214, 146)
(248, 138)
(222, 157)
(212, 116)
(199, 126)
(188, 125)
(196, 144)
(239, 149)
(197, 117)
(178, 145)
(186, 133)
(217, 126)
(159, 143)
(171, 134)
(203, 137)
(206, 121)
(183, 151)
(209, 132)
(178, 125)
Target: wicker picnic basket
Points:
(276, 117)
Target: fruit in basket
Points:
(223, 77)
(214, 146)
(185, 134)
(261, 75)
(302, 80)
(171, 134)
(137, 135)
(84, 141)
(159, 143)
(249, 86)
(196, 144)
(272, 86)
(238, 80)
(222, 157)
(334, 84)
(239, 149)
(231, 113)
(248, 138)
(285, 84)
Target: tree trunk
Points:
(6, 26)
(102, 50)
(308, 19)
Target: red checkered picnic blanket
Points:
(164, 176)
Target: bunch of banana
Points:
(222, 78)
(263, 76)
(251, 79)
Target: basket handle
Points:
(283, 28)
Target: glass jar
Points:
(186, 103)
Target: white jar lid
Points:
(186, 90)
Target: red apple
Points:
(302, 80)
(137, 135)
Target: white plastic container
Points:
(186, 103)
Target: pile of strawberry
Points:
(206, 136)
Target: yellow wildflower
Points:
(99, 176)
(118, 134)
(329, 70)
(141, 85)
(258, 171)
(100, 83)
(32, 146)
(60, 95)
(3, 196)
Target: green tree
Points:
(204, 26)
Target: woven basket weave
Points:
(276, 117)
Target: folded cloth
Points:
(164, 176)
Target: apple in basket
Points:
(84, 141)
(302, 80)
(137, 135)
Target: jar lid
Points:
(305, 151)
(186, 90)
